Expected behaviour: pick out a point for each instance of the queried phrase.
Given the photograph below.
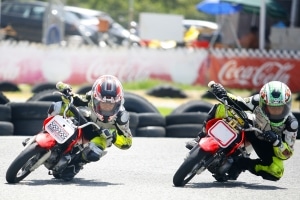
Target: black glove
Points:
(271, 137)
(220, 91)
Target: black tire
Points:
(166, 91)
(9, 87)
(138, 104)
(3, 98)
(84, 89)
(26, 159)
(186, 118)
(29, 110)
(189, 167)
(6, 128)
(151, 131)
(46, 95)
(297, 115)
(133, 120)
(151, 119)
(193, 106)
(43, 86)
(5, 113)
(28, 127)
(183, 130)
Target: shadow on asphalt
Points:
(234, 184)
(75, 181)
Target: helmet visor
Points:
(105, 108)
(277, 113)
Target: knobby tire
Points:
(19, 168)
(189, 167)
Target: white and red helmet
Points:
(107, 96)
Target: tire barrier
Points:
(43, 86)
(151, 125)
(3, 98)
(133, 122)
(45, 95)
(28, 117)
(185, 121)
(9, 87)
(166, 91)
(193, 106)
(186, 124)
(138, 104)
(84, 89)
(6, 126)
(297, 115)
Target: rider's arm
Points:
(123, 139)
(289, 134)
(246, 104)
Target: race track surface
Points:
(143, 172)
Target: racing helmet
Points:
(275, 99)
(106, 96)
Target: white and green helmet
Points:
(275, 99)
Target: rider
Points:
(104, 106)
(273, 116)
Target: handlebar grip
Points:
(59, 85)
(211, 84)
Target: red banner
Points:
(251, 72)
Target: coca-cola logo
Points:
(123, 70)
(257, 76)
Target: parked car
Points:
(24, 21)
(116, 33)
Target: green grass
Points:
(151, 83)
(164, 111)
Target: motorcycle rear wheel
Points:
(20, 167)
(189, 167)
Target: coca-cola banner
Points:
(250, 72)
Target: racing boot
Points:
(192, 143)
(239, 165)
(72, 169)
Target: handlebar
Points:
(233, 105)
(83, 122)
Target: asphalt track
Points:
(143, 172)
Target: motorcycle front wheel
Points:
(21, 166)
(189, 167)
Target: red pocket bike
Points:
(54, 147)
(224, 141)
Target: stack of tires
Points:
(6, 127)
(187, 120)
(297, 115)
(145, 119)
(28, 117)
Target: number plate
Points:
(60, 129)
(222, 133)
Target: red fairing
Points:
(209, 144)
(45, 140)
(46, 121)
(79, 136)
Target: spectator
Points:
(251, 39)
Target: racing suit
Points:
(116, 132)
(269, 164)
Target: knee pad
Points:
(92, 153)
